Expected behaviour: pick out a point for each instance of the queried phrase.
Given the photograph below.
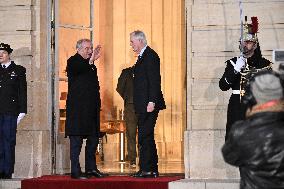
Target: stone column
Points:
(23, 26)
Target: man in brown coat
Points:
(125, 90)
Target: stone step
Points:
(205, 184)
(14, 183)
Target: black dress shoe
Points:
(96, 173)
(7, 176)
(1, 175)
(136, 173)
(144, 174)
(156, 173)
(79, 176)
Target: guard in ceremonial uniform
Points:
(239, 70)
(83, 108)
(13, 100)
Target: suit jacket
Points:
(83, 98)
(147, 82)
(125, 85)
(13, 89)
(231, 80)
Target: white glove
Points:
(240, 63)
(20, 116)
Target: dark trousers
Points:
(90, 153)
(131, 130)
(148, 160)
(236, 112)
(8, 129)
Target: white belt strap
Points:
(233, 63)
(236, 91)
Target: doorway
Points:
(109, 22)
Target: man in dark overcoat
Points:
(13, 100)
(83, 108)
(125, 90)
(148, 101)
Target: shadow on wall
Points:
(32, 154)
(220, 112)
(63, 154)
(24, 51)
(218, 99)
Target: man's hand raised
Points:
(96, 53)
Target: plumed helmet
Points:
(250, 30)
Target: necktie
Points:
(139, 57)
(3, 66)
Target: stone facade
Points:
(212, 38)
(213, 32)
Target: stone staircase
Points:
(10, 183)
(205, 184)
(179, 184)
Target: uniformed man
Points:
(125, 90)
(239, 70)
(13, 100)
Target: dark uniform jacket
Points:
(83, 98)
(125, 85)
(256, 146)
(231, 80)
(147, 82)
(13, 89)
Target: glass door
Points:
(74, 21)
